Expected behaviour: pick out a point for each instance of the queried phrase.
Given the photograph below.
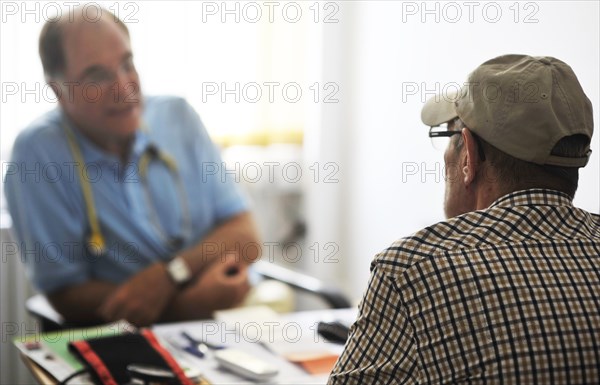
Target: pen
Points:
(200, 345)
(189, 368)
(190, 349)
(193, 350)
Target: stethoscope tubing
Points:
(96, 243)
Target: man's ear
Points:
(470, 157)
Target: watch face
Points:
(179, 271)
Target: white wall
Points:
(373, 134)
(376, 132)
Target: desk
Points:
(262, 338)
(40, 375)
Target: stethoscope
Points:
(96, 243)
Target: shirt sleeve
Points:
(381, 347)
(223, 184)
(46, 221)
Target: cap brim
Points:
(439, 109)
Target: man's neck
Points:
(117, 146)
(487, 189)
(486, 196)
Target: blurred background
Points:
(316, 106)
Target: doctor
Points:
(124, 222)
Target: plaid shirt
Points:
(505, 295)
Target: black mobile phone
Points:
(333, 331)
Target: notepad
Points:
(49, 350)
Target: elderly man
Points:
(506, 289)
(126, 223)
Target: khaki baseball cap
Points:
(522, 105)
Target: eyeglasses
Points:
(106, 77)
(440, 138)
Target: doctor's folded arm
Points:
(130, 227)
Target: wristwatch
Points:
(179, 271)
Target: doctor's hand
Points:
(223, 285)
(142, 299)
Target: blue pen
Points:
(198, 348)
(190, 349)
(193, 350)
